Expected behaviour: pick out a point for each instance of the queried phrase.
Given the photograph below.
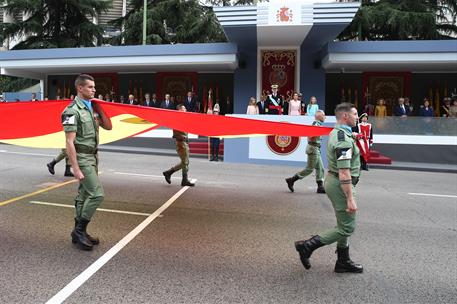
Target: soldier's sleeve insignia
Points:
(315, 123)
(344, 153)
(68, 119)
(341, 136)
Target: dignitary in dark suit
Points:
(131, 100)
(189, 102)
(167, 103)
(147, 100)
(155, 101)
(275, 102)
(400, 109)
(262, 105)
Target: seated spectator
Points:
(426, 110)
(252, 107)
(381, 109)
(295, 105)
(312, 107)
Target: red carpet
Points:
(377, 158)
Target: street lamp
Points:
(145, 11)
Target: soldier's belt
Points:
(311, 143)
(85, 149)
(355, 179)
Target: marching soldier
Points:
(344, 170)
(313, 150)
(182, 147)
(62, 155)
(80, 121)
(274, 101)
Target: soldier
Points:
(182, 147)
(62, 155)
(274, 101)
(313, 150)
(344, 169)
(80, 121)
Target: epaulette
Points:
(341, 136)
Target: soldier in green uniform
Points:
(62, 155)
(80, 121)
(182, 148)
(344, 170)
(313, 150)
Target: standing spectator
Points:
(33, 98)
(408, 107)
(426, 110)
(380, 110)
(453, 108)
(312, 107)
(262, 105)
(167, 103)
(147, 100)
(100, 96)
(275, 101)
(294, 105)
(108, 98)
(400, 109)
(190, 102)
(252, 107)
(131, 100)
(155, 101)
(446, 107)
(215, 141)
(303, 104)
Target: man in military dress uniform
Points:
(182, 148)
(80, 121)
(344, 170)
(313, 150)
(274, 101)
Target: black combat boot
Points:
(68, 171)
(305, 249)
(211, 158)
(185, 181)
(79, 237)
(320, 187)
(344, 263)
(51, 167)
(168, 174)
(290, 182)
(93, 240)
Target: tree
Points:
(54, 23)
(173, 21)
(402, 20)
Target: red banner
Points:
(278, 67)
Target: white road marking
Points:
(28, 154)
(98, 209)
(141, 175)
(92, 269)
(435, 195)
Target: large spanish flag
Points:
(38, 124)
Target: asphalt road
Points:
(227, 240)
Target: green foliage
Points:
(172, 21)
(54, 23)
(14, 84)
(402, 20)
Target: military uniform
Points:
(77, 117)
(275, 104)
(313, 150)
(342, 153)
(58, 158)
(182, 148)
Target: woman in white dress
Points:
(252, 107)
(294, 105)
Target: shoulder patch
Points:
(344, 154)
(68, 119)
(341, 136)
(315, 123)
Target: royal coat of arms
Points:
(284, 14)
